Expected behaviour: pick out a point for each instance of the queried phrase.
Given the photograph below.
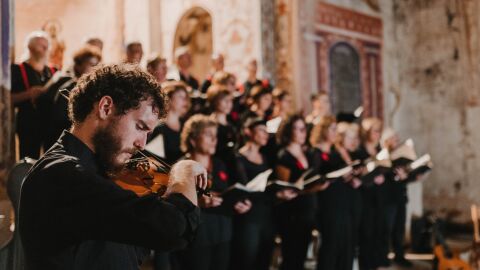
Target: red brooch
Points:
(265, 83)
(325, 157)
(223, 176)
(300, 165)
(234, 115)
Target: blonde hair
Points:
(367, 126)
(194, 126)
(320, 130)
(215, 93)
(222, 78)
(343, 129)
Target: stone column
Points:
(267, 11)
(7, 144)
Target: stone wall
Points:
(431, 68)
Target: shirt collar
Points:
(75, 147)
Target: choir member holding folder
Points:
(373, 198)
(165, 138)
(295, 215)
(335, 213)
(211, 247)
(253, 237)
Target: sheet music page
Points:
(157, 146)
(259, 183)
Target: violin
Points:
(147, 174)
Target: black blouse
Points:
(261, 202)
(303, 206)
(171, 142)
(215, 227)
(336, 200)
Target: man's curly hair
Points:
(127, 85)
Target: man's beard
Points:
(107, 147)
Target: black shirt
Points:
(262, 202)
(70, 213)
(30, 113)
(190, 81)
(171, 142)
(58, 117)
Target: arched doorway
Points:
(345, 83)
(194, 30)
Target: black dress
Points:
(335, 215)
(372, 222)
(171, 142)
(253, 234)
(226, 144)
(211, 247)
(295, 218)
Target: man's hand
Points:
(185, 176)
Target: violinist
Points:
(335, 213)
(295, 213)
(211, 247)
(72, 215)
(253, 236)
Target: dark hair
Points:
(153, 62)
(127, 85)
(215, 93)
(258, 91)
(285, 131)
(169, 88)
(252, 122)
(133, 44)
(85, 53)
(319, 94)
(222, 78)
(279, 93)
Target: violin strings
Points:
(165, 167)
